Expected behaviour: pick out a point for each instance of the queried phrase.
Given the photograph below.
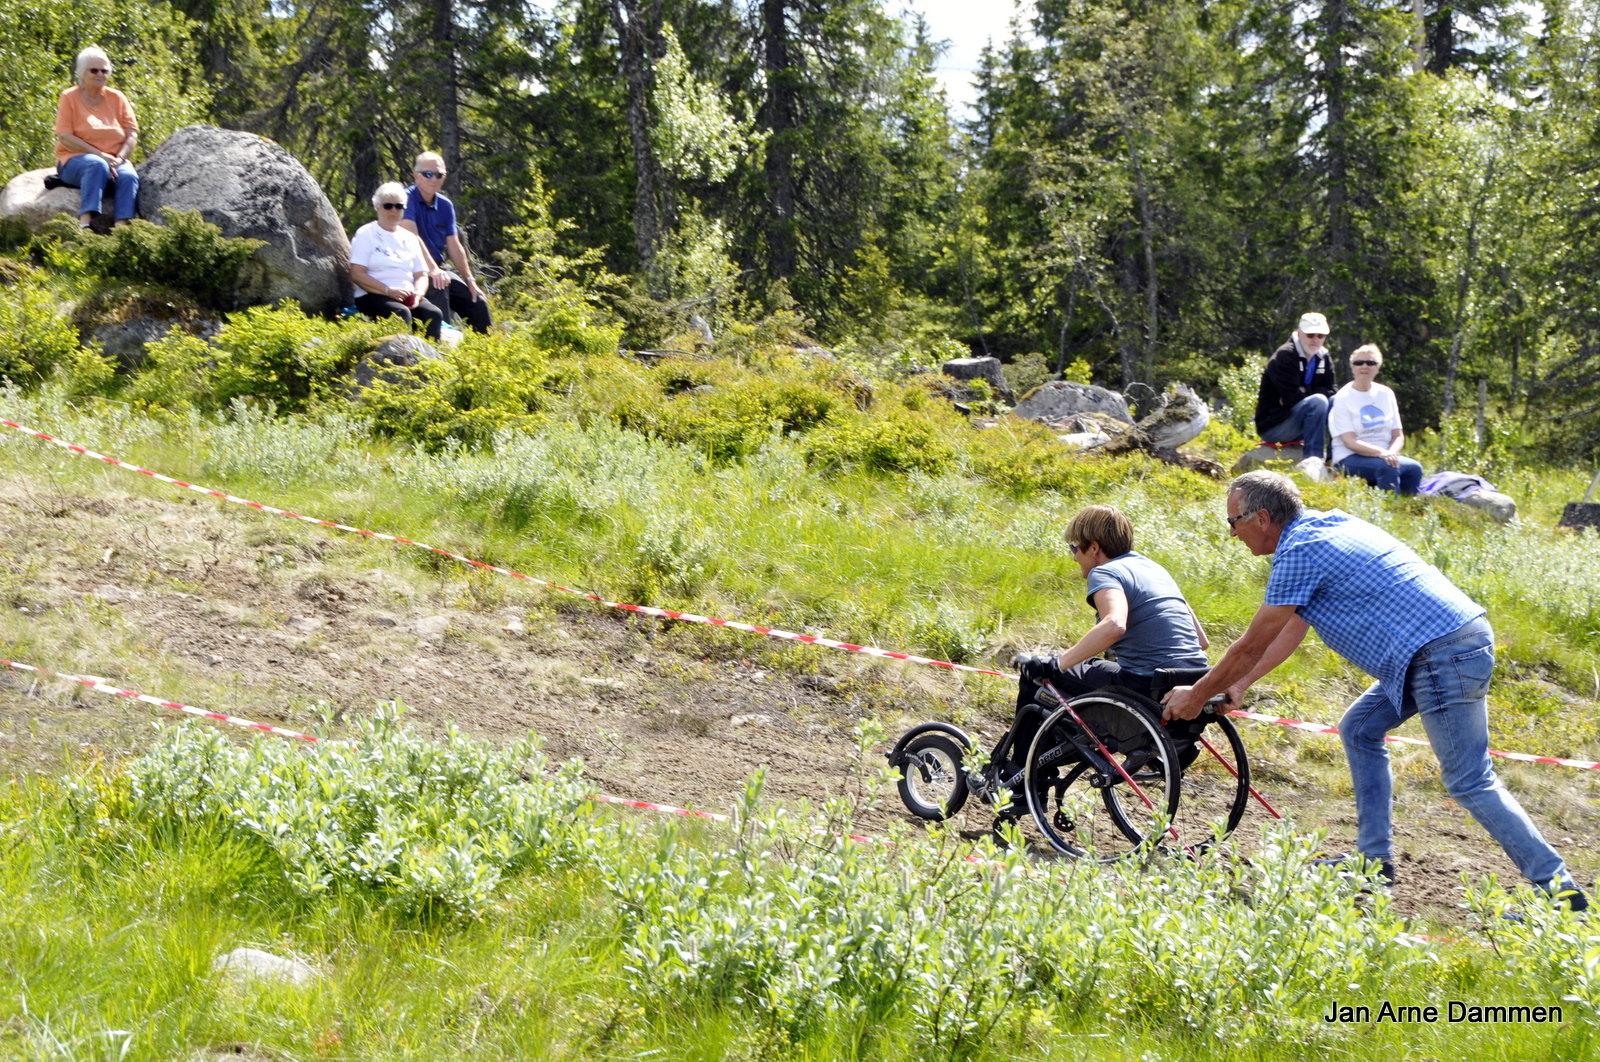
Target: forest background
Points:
(1153, 190)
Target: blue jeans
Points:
(1448, 685)
(1379, 473)
(90, 174)
(1308, 422)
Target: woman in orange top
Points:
(95, 135)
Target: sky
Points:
(968, 25)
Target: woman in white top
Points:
(388, 264)
(1365, 425)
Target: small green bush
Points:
(422, 826)
(14, 232)
(187, 252)
(733, 419)
(896, 440)
(489, 384)
(1022, 458)
(277, 356)
(1240, 385)
(35, 336)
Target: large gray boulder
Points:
(986, 369)
(250, 187)
(1059, 401)
(25, 197)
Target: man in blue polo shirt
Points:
(1375, 603)
(433, 217)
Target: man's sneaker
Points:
(1573, 897)
(1349, 866)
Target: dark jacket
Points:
(1283, 384)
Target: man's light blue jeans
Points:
(1308, 422)
(91, 174)
(1448, 686)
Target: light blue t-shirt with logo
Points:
(1160, 626)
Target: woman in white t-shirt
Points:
(1365, 424)
(388, 264)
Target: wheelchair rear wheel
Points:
(1102, 776)
(1215, 790)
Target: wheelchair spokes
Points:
(1102, 750)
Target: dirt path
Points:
(278, 622)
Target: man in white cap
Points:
(1296, 389)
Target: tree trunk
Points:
(1336, 33)
(1147, 233)
(449, 87)
(781, 78)
(1126, 350)
(1483, 402)
(1419, 38)
(638, 27)
(1061, 344)
(1442, 40)
(1464, 288)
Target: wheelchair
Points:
(1101, 775)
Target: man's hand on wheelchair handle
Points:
(1182, 703)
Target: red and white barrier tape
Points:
(662, 613)
(100, 685)
(1323, 728)
(665, 809)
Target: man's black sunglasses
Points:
(1363, 363)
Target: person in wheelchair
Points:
(1143, 616)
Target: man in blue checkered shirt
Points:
(1375, 603)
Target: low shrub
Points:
(732, 417)
(276, 356)
(489, 384)
(1022, 458)
(893, 440)
(187, 252)
(428, 827)
(35, 335)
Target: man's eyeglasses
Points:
(99, 69)
(1232, 520)
(432, 175)
(392, 206)
(1362, 364)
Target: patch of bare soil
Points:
(279, 622)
